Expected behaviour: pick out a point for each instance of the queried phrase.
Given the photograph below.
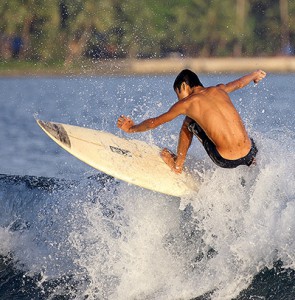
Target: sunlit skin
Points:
(212, 109)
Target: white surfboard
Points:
(133, 161)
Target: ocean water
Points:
(68, 231)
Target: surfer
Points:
(211, 116)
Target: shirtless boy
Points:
(211, 116)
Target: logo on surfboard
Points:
(120, 151)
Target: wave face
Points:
(97, 238)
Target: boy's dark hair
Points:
(187, 76)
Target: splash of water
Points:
(118, 241)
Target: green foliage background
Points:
(65, 30)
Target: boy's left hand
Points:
(258, 75)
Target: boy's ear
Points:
(182, 86)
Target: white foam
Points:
(124, 242)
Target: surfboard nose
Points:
(56, 130)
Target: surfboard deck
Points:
(133, 161)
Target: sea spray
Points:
(100, 238)
(247, 217)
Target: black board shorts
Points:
(214, 154)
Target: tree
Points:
(36, 25)
(266, 38)
(71, 29)
(205, 27)
(285, 38)
(85, 20)
(241, 13)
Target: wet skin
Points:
(212, 109)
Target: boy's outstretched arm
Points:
(255, 76)
(127, 124)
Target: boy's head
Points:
(187, 76)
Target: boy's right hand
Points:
(125, 123)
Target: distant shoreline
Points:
(163, 66)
